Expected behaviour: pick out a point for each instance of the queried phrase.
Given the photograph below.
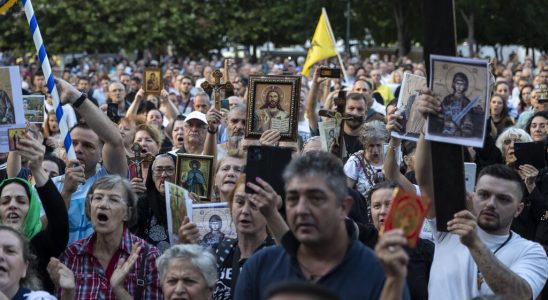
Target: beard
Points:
(234, 141)
(353, 124)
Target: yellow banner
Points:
(5, 5)
(323, 44)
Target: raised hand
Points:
(74, 175)
(32, 150)
(188, 232)
(464, 225)
(389, 250)
(428, 104)
(123, 267)
(67, 92)
(61, 276)
(393, 123)
(138, 185)
(270, 137)
(214, 118)
(265, 198)
(528, 173)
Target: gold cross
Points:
(217, 86)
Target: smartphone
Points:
(470, 176)
(530, 154)
(267, 163)
(330, 73)
(112, 112)
(225, 104)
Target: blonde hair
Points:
(154, 133)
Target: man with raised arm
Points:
(99, 151)
(480, 255)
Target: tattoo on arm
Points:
(498, 276)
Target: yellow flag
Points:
(323, 44)
(5, 5)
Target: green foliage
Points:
(197, 26)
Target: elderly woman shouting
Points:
(112, 263)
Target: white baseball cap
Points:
(196, 115)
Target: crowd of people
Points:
(89, 228)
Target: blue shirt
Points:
(359, 275)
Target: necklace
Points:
(480, 279)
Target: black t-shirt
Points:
(228, 256)
(352, 144)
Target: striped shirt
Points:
(91, 279)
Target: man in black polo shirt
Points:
(321, 246)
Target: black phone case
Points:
(530, 154)
(268, 163)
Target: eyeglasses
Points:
(110, 200)
(198, 126)
(510, 140)
(159, 171)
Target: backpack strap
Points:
(141, 275)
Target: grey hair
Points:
(374, 130)
(524, 136)
(202, 94)
(163, 155)
(200, 258)
(319, 163)
(109, 182)
(240, 108)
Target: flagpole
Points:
(343, 69)
(48, 74)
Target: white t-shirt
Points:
(454, 273)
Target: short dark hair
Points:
(543, 114)
(136, 79)
(319, 163)
(59, 162)
(356, 97)
(503, 172)
(369, 84)
(303, 289)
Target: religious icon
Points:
(34, 108)
(14, 134)
(412, 122)
(135, 163)
(214, 223)
(177, 201)
(194, 173)
(407, 211)
(272, 104)
(462, 87)
(152, 81)
(12, 113)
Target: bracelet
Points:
(80, 100)
(212, 132)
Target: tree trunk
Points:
(401, 9)
(469, 20)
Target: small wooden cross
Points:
(339, 118)
(138, 160)
(217, 86)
